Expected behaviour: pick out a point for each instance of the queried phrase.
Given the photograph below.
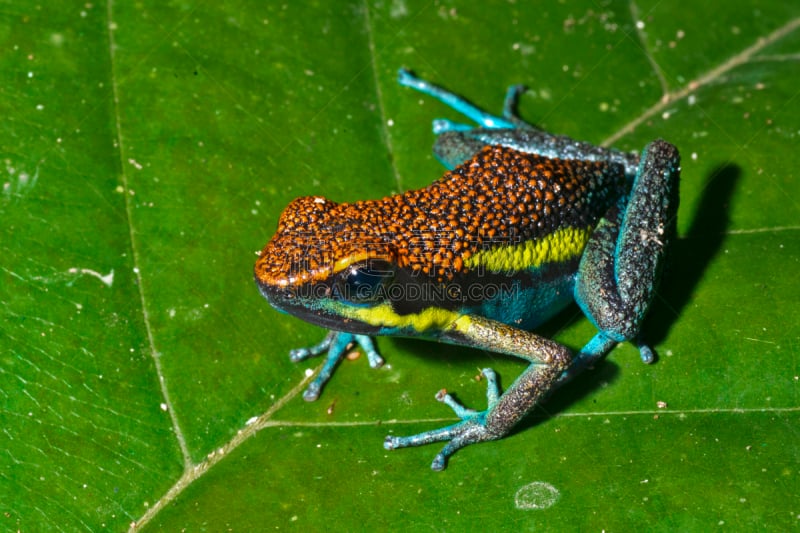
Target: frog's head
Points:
(324, 261)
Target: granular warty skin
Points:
(499, 197)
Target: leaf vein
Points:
(162, 380)
(707, 78)
(639, 25)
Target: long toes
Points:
(299, 354)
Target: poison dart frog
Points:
(523, 223)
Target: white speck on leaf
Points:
(398, 9)
(524, 48)
(21, 183)
(108, 279)
(536, 495)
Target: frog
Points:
(522, 224)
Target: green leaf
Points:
(146, 152)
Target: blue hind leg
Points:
(457, 143)
(509, 120)
(442, 125)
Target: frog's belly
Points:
(527, 300)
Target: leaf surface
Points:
(147, 151)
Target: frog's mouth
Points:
(310, 302)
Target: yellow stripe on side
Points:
(559, 246)
(382, 315)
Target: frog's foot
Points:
(509, 119)
(486, 120)
(595, 350)
(470, 430)
(645, 351)
(337, 344)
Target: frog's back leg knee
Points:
(455, 147)
(622, 263)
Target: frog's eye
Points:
(362, 283)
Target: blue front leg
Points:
(336, 343)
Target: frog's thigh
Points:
(622, 262)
